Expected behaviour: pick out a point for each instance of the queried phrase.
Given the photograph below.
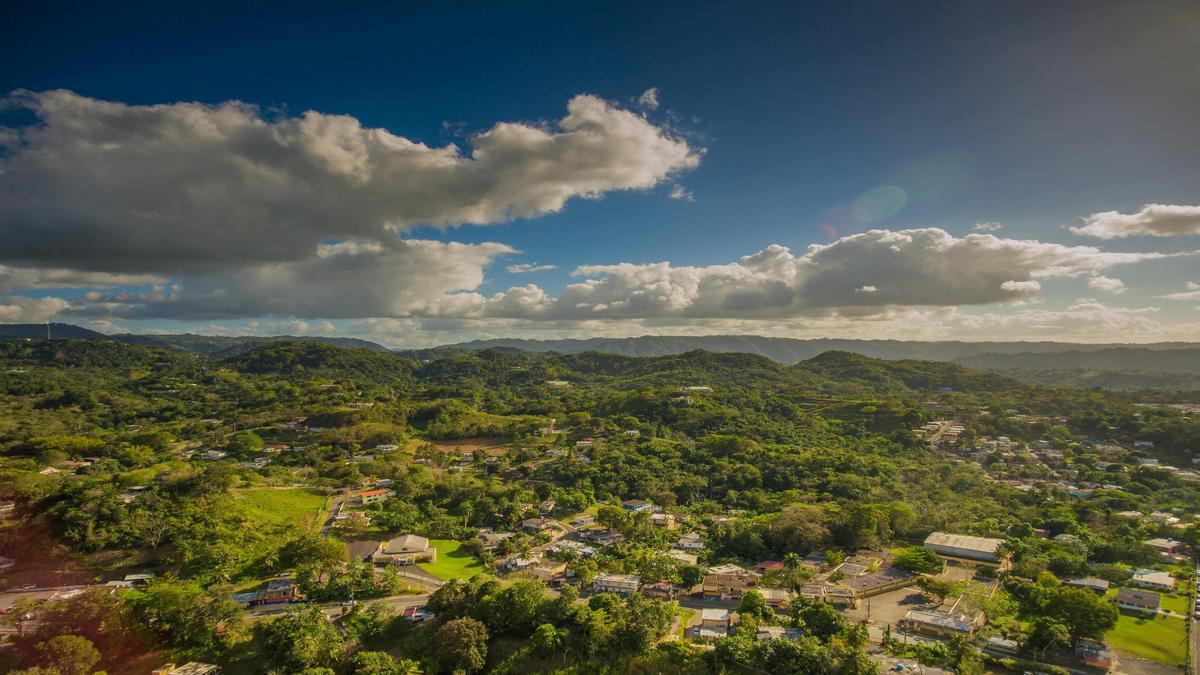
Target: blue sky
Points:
(802, 125)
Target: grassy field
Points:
(452, 563)
(1159, 638)
(281, 508)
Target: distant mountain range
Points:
(219, 346)
(1111, 366)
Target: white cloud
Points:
(649, 99)
(526, 268)
(350, 279)
(1107, 284)
(909, 268)
(188, 188)
(988, 227)
(1192, 293)
(20, 309)
(1155, 220)
(681, 193)
(28, 278)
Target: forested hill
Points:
(216, 346)
(790, 350)
(1114, 358)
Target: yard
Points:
(286, 507)
(452, 563)
(1158, 638)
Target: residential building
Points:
(778, 633)
(1091, 583)
(775, 597)
(941, 624)
(683, 556)
(663, 520)
(637, 505)
(692, 541)
(729, 582)
(280, 590)
(189, 668)
(965, 547)
(874, 583)
(1168, 546)
(532, 525)
(1139, 601)
(621, 584)
(405, 550)
(714, 624)
(1095, 654)
(663, 589)
(604, 537)
(377, 496)
(1160, 581)
(547, 571)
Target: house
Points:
(728, 582)
(405, 550)
(692, 541)
(965, 547)
(1168, 546)
(490, 541)
(140, 579)
(632, 433)
(838, 596)
(778, 633)
(189, 668)
(547, 571)
(683, 556)
(518, 563)
(585, 443)
(1095, 654)
(387, 447)
(637, 505)
(769, 566)
(663, 589)
(1138, 601)
(416, 614)
(280, 590)
(1091, 583)
(663, 520)
(1161, 581)
(580, 521)
(775, 597)
(377, 496)
(941, 624)
(714, 624)
(604, 537)
(621, 584)
(532, 525)
(884, 580)
(1001, 647)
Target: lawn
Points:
(1159, 638)
(1177, 602)
(452, 563)
(287, 507)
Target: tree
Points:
(754, 605)
(381, 663)
(462, 645)
(936, 588)
(834, 558)
(1047, 633)
(303, 638)
(68, 655)
(919, 560)
(1084, 613)
(691, 575)
(547, 640)
(820, 618)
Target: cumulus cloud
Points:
(525, 268)
(193, 188)
(1155, 220)
(30, 278)
(649, 99)
(20, 309)
(988, 227)
(1192, 293)
(350, 279)
(856, 275)
(1107, 284)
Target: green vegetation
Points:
(452, 562)
(1158, 638)
(215, 470)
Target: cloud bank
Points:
(1154, 220)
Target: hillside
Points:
(791, 351)
(37, 331)
(1140, 359)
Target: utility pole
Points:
(47, 331)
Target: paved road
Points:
(335, 608)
